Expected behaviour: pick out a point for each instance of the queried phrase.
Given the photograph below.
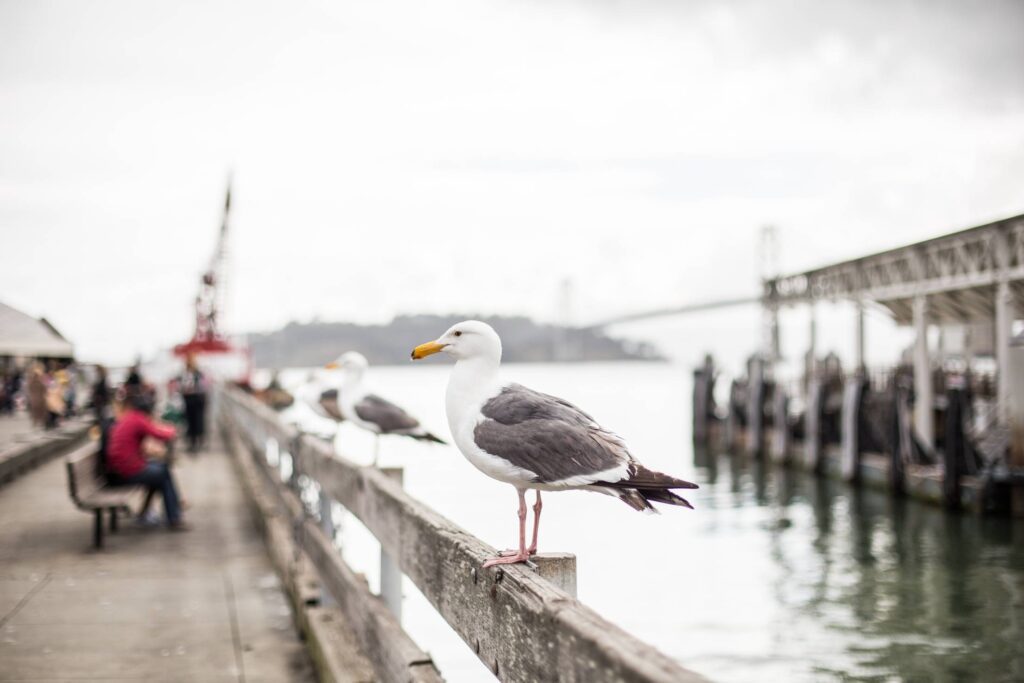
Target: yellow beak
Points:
(424, 350)
(331, 366)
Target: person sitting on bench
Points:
(133, 458)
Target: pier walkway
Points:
(203, 605)
(15, 428)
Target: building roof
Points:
(957, 274)
(23, 335)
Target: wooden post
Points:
(853, 391)
(924, 401)
(559, 569)
(703, 398)
(780, 435)
(755, 406)
(811, 359)
(859, 360)
(731, 426)
(327, 524)
(1004, 321)
(390, 572)
(902, 440)
(953, 453)
(812, 426)
(294, 447)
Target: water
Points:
(775, 576)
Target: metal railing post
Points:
(390, 573)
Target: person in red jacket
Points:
(126, 461)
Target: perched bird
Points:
(532, 440)
(369, 411)
(322, 398)
(328, 405)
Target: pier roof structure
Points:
(23, 335)
(958, 273)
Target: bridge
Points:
(258, 590)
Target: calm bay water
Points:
(776, 576)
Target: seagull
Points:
(323, 399)
(327, 405)
(369, 411)
(532, 440)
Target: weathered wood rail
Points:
(520, 625)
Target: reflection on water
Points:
(882, 588)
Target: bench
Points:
(92, 494)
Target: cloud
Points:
(468, 156)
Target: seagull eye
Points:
(458, 333)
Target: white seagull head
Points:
(350, 363)
(466, 340)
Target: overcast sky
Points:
(468, 155)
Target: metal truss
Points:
(957, 273)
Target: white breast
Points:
(463, 403)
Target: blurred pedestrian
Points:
(37, 395)
(7, 391)
(192, 387)
(55, 405)
(101, 396)
(67, 381)
(14, 386)
(134, 378)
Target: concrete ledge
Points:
(17, 459)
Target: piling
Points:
(813, 418)
(962, 448)
(853, 394)
(755, 406)
(780, 425)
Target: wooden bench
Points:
(91, 493)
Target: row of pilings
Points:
(858, 426)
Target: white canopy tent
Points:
(21, 335)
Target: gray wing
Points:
(385, 414)
(547, 435)
(329, 403)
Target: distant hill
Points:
(523, 340)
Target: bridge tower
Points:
(768, 269)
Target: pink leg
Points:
(536, 524)
(522, 555)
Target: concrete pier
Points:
(153, 605)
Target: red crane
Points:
(207, 337)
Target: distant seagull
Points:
(327, 405)
(369, 411)
(532, 440)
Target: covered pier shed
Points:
(973, 277)
(22, 336)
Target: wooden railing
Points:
(522, 626)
